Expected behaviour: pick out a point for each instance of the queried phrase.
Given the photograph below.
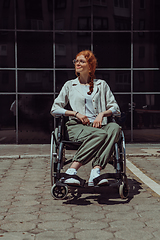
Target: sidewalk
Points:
(28, 211)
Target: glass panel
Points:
(35, 81)
(147, 118)
(125, 119)
(146, 81)
(146, 15)
(112, 49)
(119, 81)
(35, 50)
(108, 17)
(7, 56)
(71, 15)
(7, 119)
(62, 77)
(6, 14)
(147, 50)
(68, 45)
(7, 81)
(35, 15)
(35, 120)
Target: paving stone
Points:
(131, 234)
(18, 226)
(153, 223)
(25, 203)
(150, 215)
(54, 225)
(20, 217)
(89, 216)
(24, 209)
(17, 236)
(118, 208)
(129, 224)
(54, 217)
(94, 234)
(147, 207)
(89, 208)
(157, 234)
(4, 203)
(121, 215)
(91, 225)
(58, 235)
(54, 209)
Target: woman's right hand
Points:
(84, 119)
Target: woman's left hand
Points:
(98, 121)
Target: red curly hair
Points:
(92, 61)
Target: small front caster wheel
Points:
(59, 192)
(123, 190)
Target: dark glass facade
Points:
(40, 38)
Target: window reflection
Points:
(112, 49)
(6, 14)
(35, 81)
(7, 55)
(73, 14)
(124, 102)
(35, 121)
(147, 50)
(35, 50)
(146, 81)
(7, 81)
(147, 118)
(34, 15)
(62, 77)
(108, 17)
(146, 15)
(7, 119)
(68, 45)
(119, 81)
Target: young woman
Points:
(91, 101)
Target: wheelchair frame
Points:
(59, 189)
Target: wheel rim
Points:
(59, 192)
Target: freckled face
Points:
(81, 65)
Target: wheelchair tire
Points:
(59, 192)
(53, 158)
(123, 190)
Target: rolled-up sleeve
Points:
(60, 102)
(111, 102)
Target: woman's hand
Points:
(84, 119)
(98, 121)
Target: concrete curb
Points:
(70, 155)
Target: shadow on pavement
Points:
(103, 195)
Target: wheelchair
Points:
(60, 142)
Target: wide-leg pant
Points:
(97, 143)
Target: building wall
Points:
(40, 38)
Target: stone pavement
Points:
(28, 211)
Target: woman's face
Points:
(81, 65)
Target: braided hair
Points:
(92, 61)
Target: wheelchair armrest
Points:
(111, 119)
(61, 127)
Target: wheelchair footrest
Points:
(67, 176)
(106, 176)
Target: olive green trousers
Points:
(97, 143)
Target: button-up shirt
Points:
(102, 99)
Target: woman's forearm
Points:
(70, 113)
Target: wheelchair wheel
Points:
(53, 158)
(59, 192)
(123, 190)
